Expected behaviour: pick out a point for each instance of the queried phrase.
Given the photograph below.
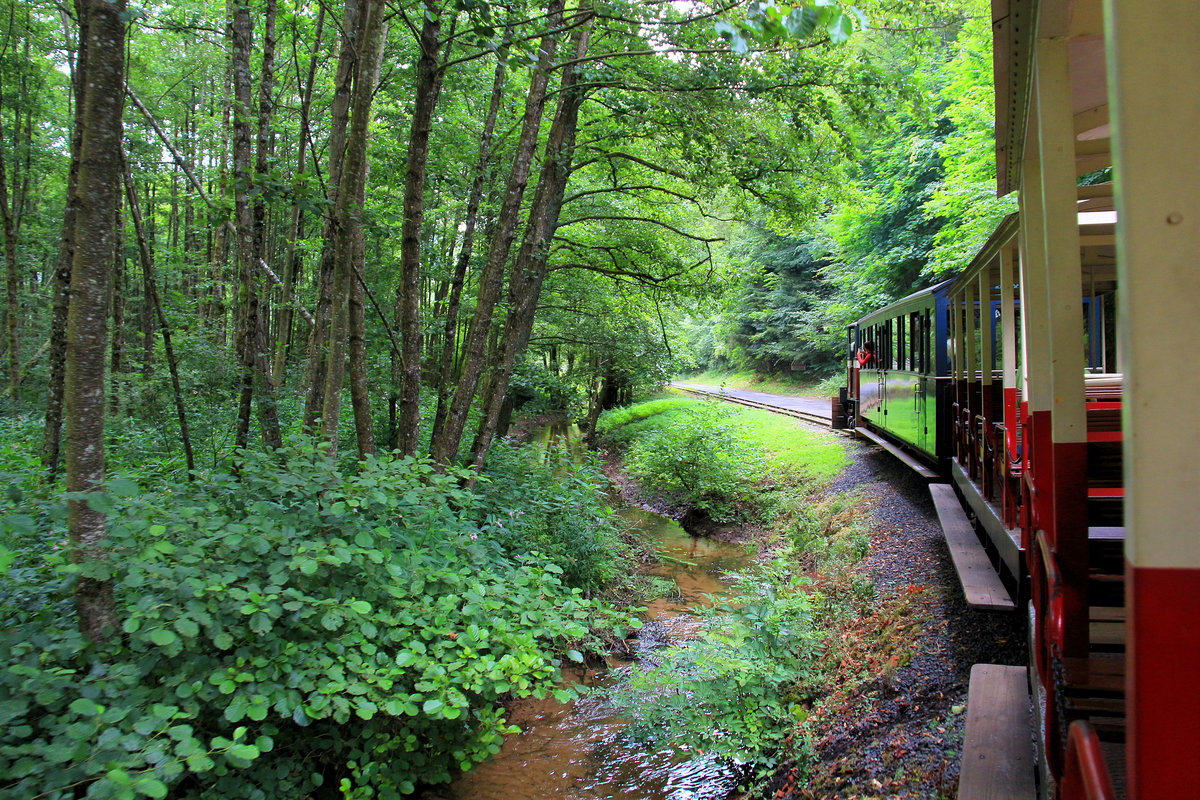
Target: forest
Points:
(278, 278)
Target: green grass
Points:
(790, 445)
(627, 414)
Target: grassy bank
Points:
(802, 625)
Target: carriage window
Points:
(889, 347)
(900, 348)
(927, 339)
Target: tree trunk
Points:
(11, 283)
(147, 259)
(147, 310)
(291, 263)
(530, 268)
(445, 448)
(87, 334)
(251, 338)
(52, 434)
(408, 297)
(347, 216)
(360, 395)
(454, 301)
(339, 117)
(264, 146)
(118, 309)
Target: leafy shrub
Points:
(293, 627)
(542, 501)
(738, 689)
(701, 457)
(537, 390)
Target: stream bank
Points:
(580, 750)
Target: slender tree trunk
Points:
(445, 448)
(360, 395)
(291, 262)
(454, 301)
(52, 434)
(12, 282)
(530, 268)
(147, 310)
(347, 216)
(264, 148)
(339, 114)
(594, 409)
(428, 87)
(118, 310)
(251, 337)
(87, 334)
(147, 259)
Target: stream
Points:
(579, 750)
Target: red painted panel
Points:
(1041, 469)
(1163, 683)
(1070, 541)
(1011, 420)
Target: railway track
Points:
(803, 408)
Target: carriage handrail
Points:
(1050, 592)
(1086, 775)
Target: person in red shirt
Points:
(866, 355)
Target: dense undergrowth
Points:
(766, 659)
(303, 629)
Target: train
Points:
(1047, 393)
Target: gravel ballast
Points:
(898, 734)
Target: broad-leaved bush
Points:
(292, 627)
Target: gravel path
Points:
(898, 736)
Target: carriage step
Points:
(981, 584)
(997, 756)
(908, 460)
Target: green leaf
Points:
(151, 787)
(100, 503)
(163, 637)
(187, 627)
(432, 706)
(361, 606)
(575, 656)
(123, 487)
(840, 28)
(200, 763)
(247, 752)
(801, 22)
(85, 707)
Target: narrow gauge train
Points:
(1049, 386)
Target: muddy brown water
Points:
(579, 750)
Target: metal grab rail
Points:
(1047, 589)
(1085, 776)
(987, 458)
